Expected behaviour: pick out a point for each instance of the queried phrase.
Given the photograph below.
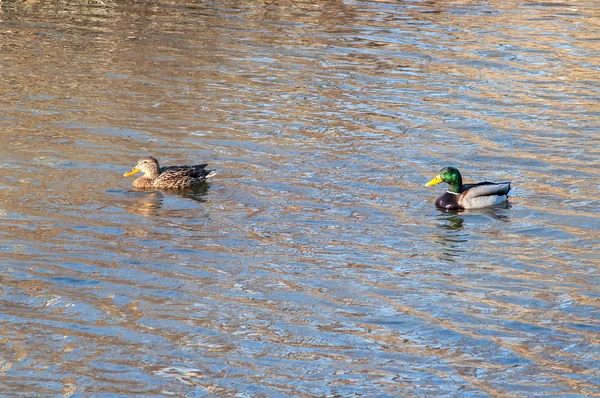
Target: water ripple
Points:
(314, 263)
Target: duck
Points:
(468, 196)
(173, 177)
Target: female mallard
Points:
(174, 177)
(468, 196)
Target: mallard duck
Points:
(174, 177)
(468, 196)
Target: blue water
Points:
(315, 263)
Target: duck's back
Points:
(197, 170)
(484, 194)
(485, 189)
(181, 176)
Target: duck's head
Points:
(449, 175)
(148, 166)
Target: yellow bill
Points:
(435, 181)
(132, 172)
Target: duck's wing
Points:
(485, 189)
(484, 194)
(194, 171)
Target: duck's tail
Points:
(211, 173)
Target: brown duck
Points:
(173, 177)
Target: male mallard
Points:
(468, 196)
(174, 177)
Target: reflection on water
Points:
(197, 193)
(456, 225)
(149, 202)
(454, 219)
(316, 263)
(451, 240)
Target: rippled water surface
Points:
(315, 262)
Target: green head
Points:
(449, 175)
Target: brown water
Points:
(315, 264)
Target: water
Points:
(314, 263)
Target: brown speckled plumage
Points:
(174, 177)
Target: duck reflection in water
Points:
(454, 238)
(150, 203)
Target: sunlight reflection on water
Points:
(314, 263)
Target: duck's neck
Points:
(152, 173)
(455, 183)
